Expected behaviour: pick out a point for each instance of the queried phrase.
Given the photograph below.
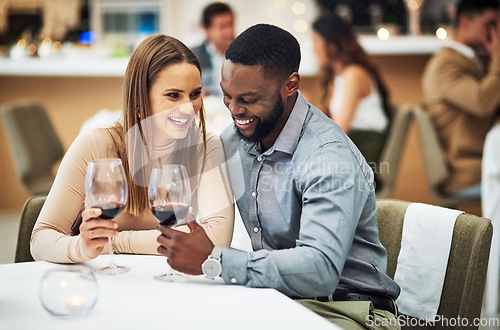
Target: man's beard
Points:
(266, 125)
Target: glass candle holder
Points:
(69, 291)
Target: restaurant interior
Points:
(70, 56)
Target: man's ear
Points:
(291, 85)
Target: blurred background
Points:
(71, 55)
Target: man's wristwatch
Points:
(212, 267)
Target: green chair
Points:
(465, 277)
(29, 215)
(34, 144)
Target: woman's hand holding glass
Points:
(106, 194)
(95, 232)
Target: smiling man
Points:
(304, 191)
(256, 104)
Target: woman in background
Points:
(162, 81)
(355, 96)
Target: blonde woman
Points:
(163, 80)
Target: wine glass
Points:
(106, 189)
(170, 197)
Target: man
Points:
(218, 22)
(304, 191)
(461, 97)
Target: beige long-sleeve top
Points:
(51, 241)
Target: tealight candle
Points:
(68, 291)
(75, 303)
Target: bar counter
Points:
(84, 63)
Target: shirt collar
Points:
(212, 50)
(462, 49)
(289, 137)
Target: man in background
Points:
(461, 96)
(218, 22)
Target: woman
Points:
(355, 97)
(162, 90)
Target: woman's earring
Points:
(137, 112)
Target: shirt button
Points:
(255, 229)
(233, 280)
(259, 159)
(254, 194)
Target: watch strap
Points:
(216, 252)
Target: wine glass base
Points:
(172, 277)
(112, 270)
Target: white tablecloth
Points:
(135, 300)
(490, 197)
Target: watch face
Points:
(211, 268)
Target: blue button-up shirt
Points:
(308, 204)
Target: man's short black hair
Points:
(275, 49)
(212, 10)
(471, 8)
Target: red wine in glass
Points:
(110, 210)
(169, 196)
(106, 189)
(170, 214)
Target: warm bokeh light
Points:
(46, 41)
(298, 8)
(31, 49)
(441, 33)
(45, 48)
(300, 25)
(21, 43)
(57, 46)
(383, 34)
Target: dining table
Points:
(135, 300)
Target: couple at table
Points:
(312, 223)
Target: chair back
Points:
(34, 144)
(435, 161)
(30, 212)
(465, 276)
(391, 155)
(437, 170)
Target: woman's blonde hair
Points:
(152, 56)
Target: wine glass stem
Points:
(170, 273)
(111, 258)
